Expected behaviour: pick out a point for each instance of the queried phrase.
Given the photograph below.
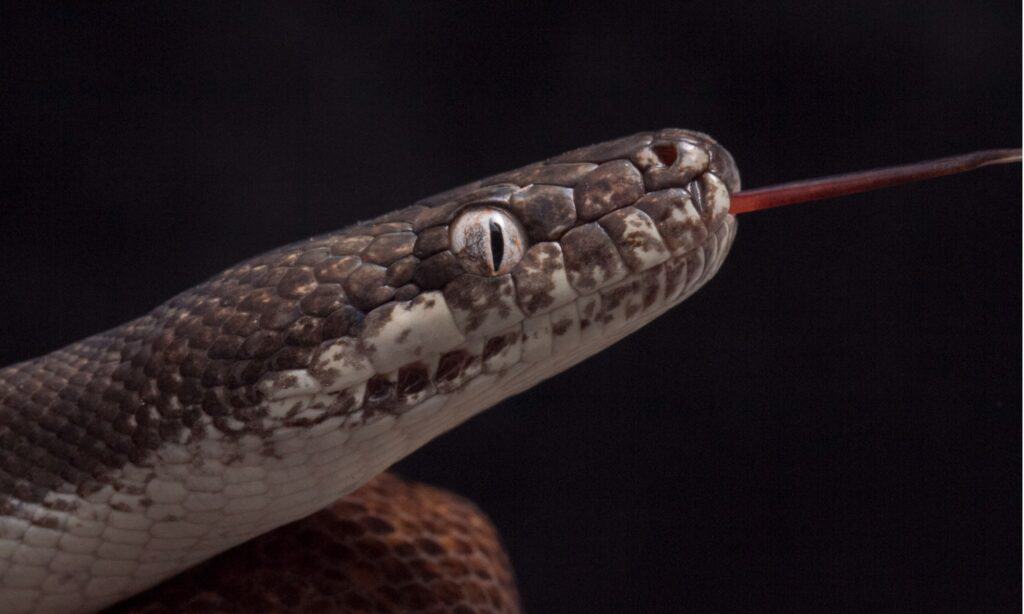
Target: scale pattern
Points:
(290, 379)
(69, 418)
(391, 546)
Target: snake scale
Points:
(283, 387)
(290, 380)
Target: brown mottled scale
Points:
(391, 546)
(70, 419)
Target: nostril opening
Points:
(666, 154)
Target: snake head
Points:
(289, 380)
(296, 376)
(517, 276)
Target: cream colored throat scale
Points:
(269, 391)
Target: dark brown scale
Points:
(241, 324)
(390, 227)
(431, 241)
(608, 187)
(545, 211)
(629, 241)
(200, 337)
(388, 248)
(214, 403)
(435, 272)
(407, 292)
(436, 216)
(225, 346)
(247, 373)
(678, 234)
(217, 373)
(341, 322)
(479, 297)
(365, 287)
(324, 300)
(273, 277)
(534, 279)
(296, 283)
(263, 344)
(588, 251)
(255, 302)
(335, 269)
(240, 398)
(291, 357)
(191, 392)
(306, 331)
(401, 271)
(350, 245)
(313, 256)
(279, 314)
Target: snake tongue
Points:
(864, 181)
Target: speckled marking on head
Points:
(591, 258)
(541, 280)
(482, 304)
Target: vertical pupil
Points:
(497, 246)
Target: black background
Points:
(831, 424)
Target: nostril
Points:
(666, 154)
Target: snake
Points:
(227, 451)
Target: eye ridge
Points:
(497, 246)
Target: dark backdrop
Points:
(832, 424)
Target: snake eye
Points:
(487, 241)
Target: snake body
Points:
(288, 381)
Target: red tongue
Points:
(758, 199)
